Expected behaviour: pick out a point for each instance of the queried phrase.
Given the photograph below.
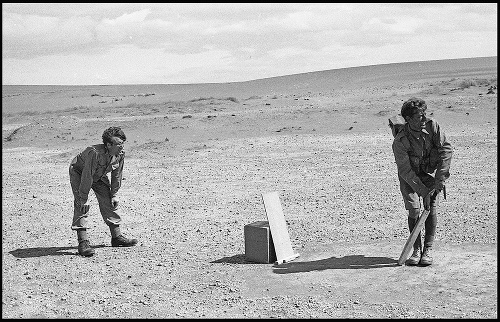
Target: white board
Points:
(279, 231)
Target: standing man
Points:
(420, 148)
(88, 170)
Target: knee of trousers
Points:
(414, 213)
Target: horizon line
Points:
(257, 79)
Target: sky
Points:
(156, 43)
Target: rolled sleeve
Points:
(88, 171)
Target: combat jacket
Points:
(93, 164)
(421, 152)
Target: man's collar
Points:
(416, 133)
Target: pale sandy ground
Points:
(191, 184)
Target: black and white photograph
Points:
(249, 160)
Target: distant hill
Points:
(316, 81)
(410, 71)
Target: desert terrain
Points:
(199, 158)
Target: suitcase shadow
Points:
(235, 259)
(346, 262)
(47, 251)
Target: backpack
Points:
(396, 123)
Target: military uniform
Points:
(88, 170)
(418, 154)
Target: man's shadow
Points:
(47, 251)
(346, 262)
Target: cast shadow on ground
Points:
(346, 262)
(235, 259)
(47, 251)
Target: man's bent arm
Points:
(87, 175)
(116, 177)
(405, 171)
(445, 151)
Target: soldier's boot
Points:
(426, 258)
(415, 257)
(118, 240)
(122, 241)
(84, 248)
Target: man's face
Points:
(116, 146)
(417, 121)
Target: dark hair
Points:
(412, 106)
(113, 131)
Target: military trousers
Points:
(102, 191)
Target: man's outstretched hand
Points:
(84, 208)
(114, 202)
(439, 186)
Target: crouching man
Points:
(420, 148)
(88, 170)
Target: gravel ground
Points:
(193, 177)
